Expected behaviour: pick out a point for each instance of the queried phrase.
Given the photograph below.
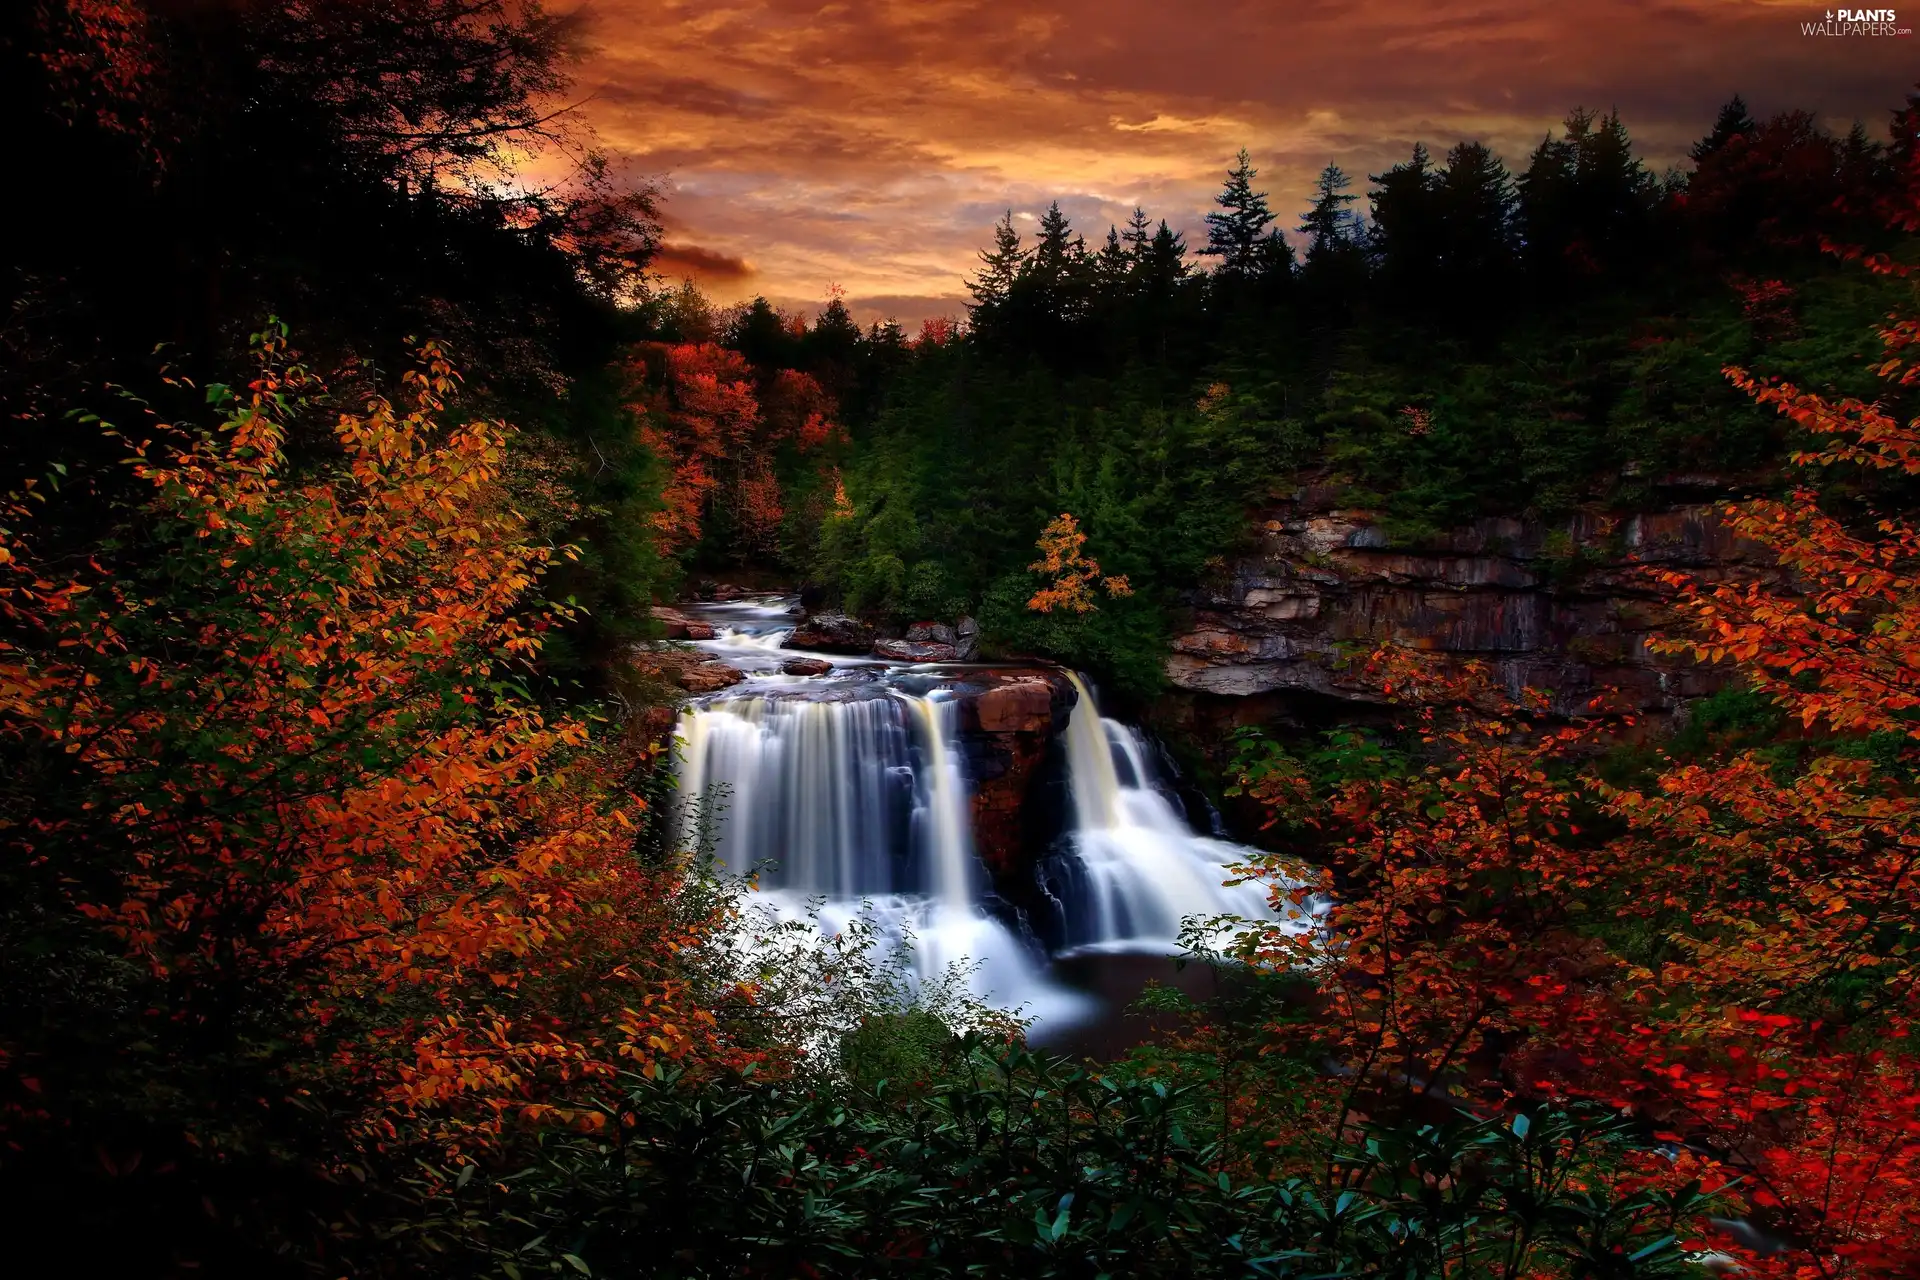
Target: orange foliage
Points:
(1073, 574)
(305, 767)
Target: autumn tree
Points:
(1786, 989)
(1072, 574)
(720, 427)
(329, 880)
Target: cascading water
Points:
(849, 793)
(1134, 868)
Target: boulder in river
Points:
(1025, 706)
(935, 632)
(679, 626)
(805, 667)
(913, 651)
(693, 671)
(710, 677)
(832, 633)
(966, 639)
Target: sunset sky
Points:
(873, 144)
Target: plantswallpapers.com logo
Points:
(1857, 22)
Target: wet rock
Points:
(832, 633)
(1025, 706)
(966, 639)
(934, 632)
(674, 621)
(710, 677)
(806, 667)
(690, 669)
(912, 651)
(1008, 719)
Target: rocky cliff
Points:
(1565, 607)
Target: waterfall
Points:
(852, 800)
(1134, 868)
(949, 834)
(821, 790)
(849, 794)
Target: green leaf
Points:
(1651, 1249)
(574, 1262)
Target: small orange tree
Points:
(1072, 573)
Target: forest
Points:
(357, 472)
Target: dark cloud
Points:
(708, 266)
(872, 145)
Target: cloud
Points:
(708, 266)
(873, 145)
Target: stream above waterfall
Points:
(853, 791)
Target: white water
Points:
(849, 793)
(1137, 869)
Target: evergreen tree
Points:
(1235, 234)
(1113, 264)
(831, 349)
(1056, 282)
(993, 287)
(1058, 248)
(1161, 271)
(1586, 201)
(1733, 122)
(1330, 227)
(1408, 228)
(1479, 239)
(764, 335)
(1139, 231)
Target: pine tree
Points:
(1057, 245)
(1586, 202)
(1234, 235)
(1407, 224)
(1113, 264)
(1056, 283)
(1329, 225)
(994, 285)
(1479, 213)
(831, 349)
(1161, 266)
(1733, 122)
(1139, 231)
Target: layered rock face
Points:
(1565, 608)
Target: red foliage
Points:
(720, 429)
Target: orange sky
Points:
(873, 143)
